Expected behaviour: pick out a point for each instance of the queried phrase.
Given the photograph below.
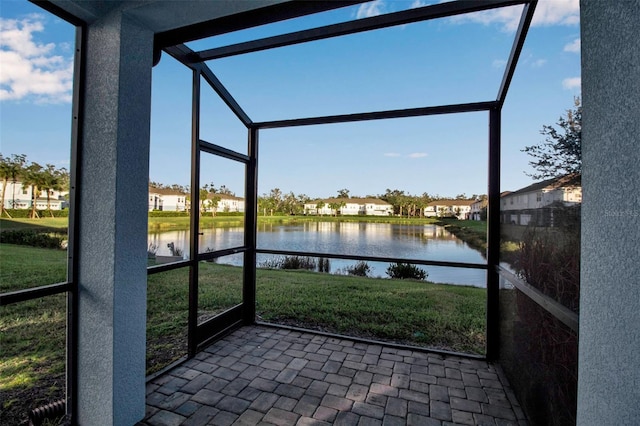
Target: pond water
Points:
(423, 242)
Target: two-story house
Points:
(478, 209)
(20, 196)
(165, 199)
(460, 209)
(535, 204)
(230, 203)
(349, 207)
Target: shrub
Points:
(25, 213)
(161, 213)
(175, 251)
(289, 262)
(151, 251)
(298, 262)
(273, 263)
(360, 269)
(32, 238)
(549, 260)
(323, 265)
(166, 213)
(213, 259)
(400, 270)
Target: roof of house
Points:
(352, 200)
(164, 191)
(451, 203)
(481, 202)
(549, 184)
(224, 196)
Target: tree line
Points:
(278, 202)
(404, 203)
(47, 178)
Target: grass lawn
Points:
(33, 333)
(35, 224)
(404, 311)
(479, 226)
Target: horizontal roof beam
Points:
(366, 24)
(379, 115)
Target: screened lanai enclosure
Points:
(105, 287)
(207, 155)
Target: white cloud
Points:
(499, 63)
(538, 63)
(557, 12)
(367, 10)
(417, 155)
(391, 154)
(574, 46)
(572, 83)
(418, 3)
(548, 12)
(30, 68)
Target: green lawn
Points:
(479, 226)
(35, 224)
(32, 334)
(412, 312)
(418, 313)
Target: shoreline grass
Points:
(178, 223)
(158, 224)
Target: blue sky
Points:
(438, 62)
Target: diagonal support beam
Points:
(183, 54)
(516, 49)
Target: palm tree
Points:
(336, 206)
(10, 170)
(34, 176)
(212, 202)
(203, 199)
(263, 204)
(52, 180)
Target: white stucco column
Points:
(609, 348)
(114, 173)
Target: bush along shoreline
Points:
(49, 239)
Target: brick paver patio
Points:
(268, 376)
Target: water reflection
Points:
(423, 242)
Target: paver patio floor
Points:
(260, 375)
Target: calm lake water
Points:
(423, 242)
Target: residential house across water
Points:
(165, 199)
(479, 209)
(538, 204)
(461, 209)
(349, 207)
(17, 196)
(226, 203)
